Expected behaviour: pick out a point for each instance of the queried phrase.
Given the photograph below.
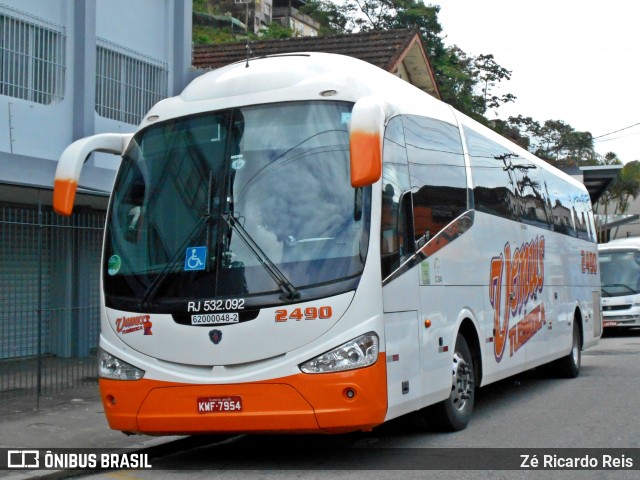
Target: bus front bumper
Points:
(303, 403)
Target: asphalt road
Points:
(531, 414)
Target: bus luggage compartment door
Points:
(402, 334)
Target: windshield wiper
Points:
(206, 219)
(289, 292)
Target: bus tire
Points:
(569, 366)
(454, 413)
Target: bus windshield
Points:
(253, 203)
(620, 272)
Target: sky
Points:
(572, 60)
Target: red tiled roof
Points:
(380, 48)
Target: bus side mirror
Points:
(71, 161)
(365, 141)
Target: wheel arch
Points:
(577, 317)
(468, 330)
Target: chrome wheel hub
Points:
(462, 382)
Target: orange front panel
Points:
(334, 410)
(264, 408)
(299, 403)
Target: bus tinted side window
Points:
(562, 215)
(585, 226)
(494, 185)
(510, 186)
(438, 176)
(530, 192)
(396, 200)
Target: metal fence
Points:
(49, 301)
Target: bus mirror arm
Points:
(72, 160)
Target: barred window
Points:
(128, 83)
(32, 57)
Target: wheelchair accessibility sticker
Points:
(195, 258)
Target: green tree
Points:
(367, 15)
(332, 18)
(510, 132)
(611, 158)
(276, 31)
(624, 188)
(464, 81)
(457, 81)
(554, 141)
(488, 73)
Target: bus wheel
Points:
(454, 413)
(569, 366)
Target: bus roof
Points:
(319, 76)
(295, 77)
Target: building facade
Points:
(72, 68)
(289, 15)
(256, 15)
(69, 69)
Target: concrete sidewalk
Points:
(74, 421)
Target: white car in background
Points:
(620, 277)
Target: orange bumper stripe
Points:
(295, 404)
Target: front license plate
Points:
(609, 324)
(213, 318)
(219, 404)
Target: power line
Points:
(616, 131)
(617, 138)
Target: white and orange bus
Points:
(311, 244)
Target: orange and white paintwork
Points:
(298, 403)
(416, 323)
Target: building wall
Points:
(70, 69)
(30, 128)
(255, 14)
(624, 230)
(33, 134)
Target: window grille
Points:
(32, 57)
(128, 83)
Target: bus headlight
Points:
(115, 369)
(357, 353)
